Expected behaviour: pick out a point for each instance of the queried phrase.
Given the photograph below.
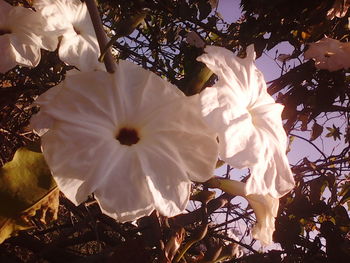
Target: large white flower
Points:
(330, 54)
(265, 207)
(131, 138)
(247, 120)
(21, 37)
(70, 19)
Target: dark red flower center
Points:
(4, 32)
(128, 136)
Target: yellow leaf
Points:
(27, 190)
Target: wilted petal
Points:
(265, 208)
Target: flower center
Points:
(4, 32)
(128, 136)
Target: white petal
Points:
(271, 175)
(5, 8)
(124, 194)
(26, 55)
(187, 130)
(7, 61)
(80, 52)
(71, 152)
(168, 183)
(142, 91)
(83, 99)
(265, 208)
(237, 73)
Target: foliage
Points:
(27, 190)
(313, 220)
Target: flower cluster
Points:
(135, 140)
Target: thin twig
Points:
(100, 34)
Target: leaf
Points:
(291, 139)
(204, 9)
(344, 193)
(316, 131)
(317, 187)
(333, 132)
(27, 190)
(44, 211)
(172, 246)
(203, 196)
(342, 218)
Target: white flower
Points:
(330, 54)
(248, 121)
(71, 20)
(339, 9)
(130, 137)
(21, 37)
(265, 207)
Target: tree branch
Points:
(100, 34)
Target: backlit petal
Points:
(247, 121)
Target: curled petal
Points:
(265, 207)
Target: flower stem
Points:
(100, 34)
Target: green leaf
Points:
(27, 190)
(316, 131)
(333, 132)
(317, 187)
(219, 163)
